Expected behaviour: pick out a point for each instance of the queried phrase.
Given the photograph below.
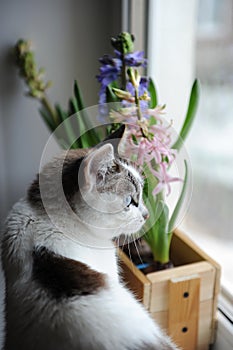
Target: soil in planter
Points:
(140, 254)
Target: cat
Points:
(63, 290)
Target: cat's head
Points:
(102, 190)
(110, 193)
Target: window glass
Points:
(210, 145)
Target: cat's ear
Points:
(116, 137)
(97, 162)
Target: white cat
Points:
(65, 294)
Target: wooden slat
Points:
(135, 280)
(180, 243)
(181, 239)
(204, 327)
(205, 323)
(161, 318)
(160, 283)
(183, 252)
(183, 314)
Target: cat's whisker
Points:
(138, 236)
(138, 252)
(125, 236)
(129, 249)
(118, 242)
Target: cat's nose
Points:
(145, 214)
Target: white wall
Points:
(171, 53)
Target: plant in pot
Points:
(131, 99)
(148, 138)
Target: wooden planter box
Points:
(182, 300)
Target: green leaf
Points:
(180, 200)
(152, 121)
(157, 237)
(78, 96)
(70, 136)
(62, 114)
(85, 140)
(73, 107)
(93, 136)
(190, 115)
(135, 140)
(149, 198)
(153, 94)
(89, 136)
(110, 95)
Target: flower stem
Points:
(139, 112)
(45, 102)
(123, 73)
(137, 102)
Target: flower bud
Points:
(145, 96)
(134, 77)
(123, 43)
(124, 95)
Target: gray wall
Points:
(68, 37)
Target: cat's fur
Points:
(65, 294)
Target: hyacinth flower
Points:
(149, 145)
(113, 70)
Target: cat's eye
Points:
(130, 201)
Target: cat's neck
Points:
(76, 240)
(102, 259)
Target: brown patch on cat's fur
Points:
(69, 162)
(33, 194)
(63, 277)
